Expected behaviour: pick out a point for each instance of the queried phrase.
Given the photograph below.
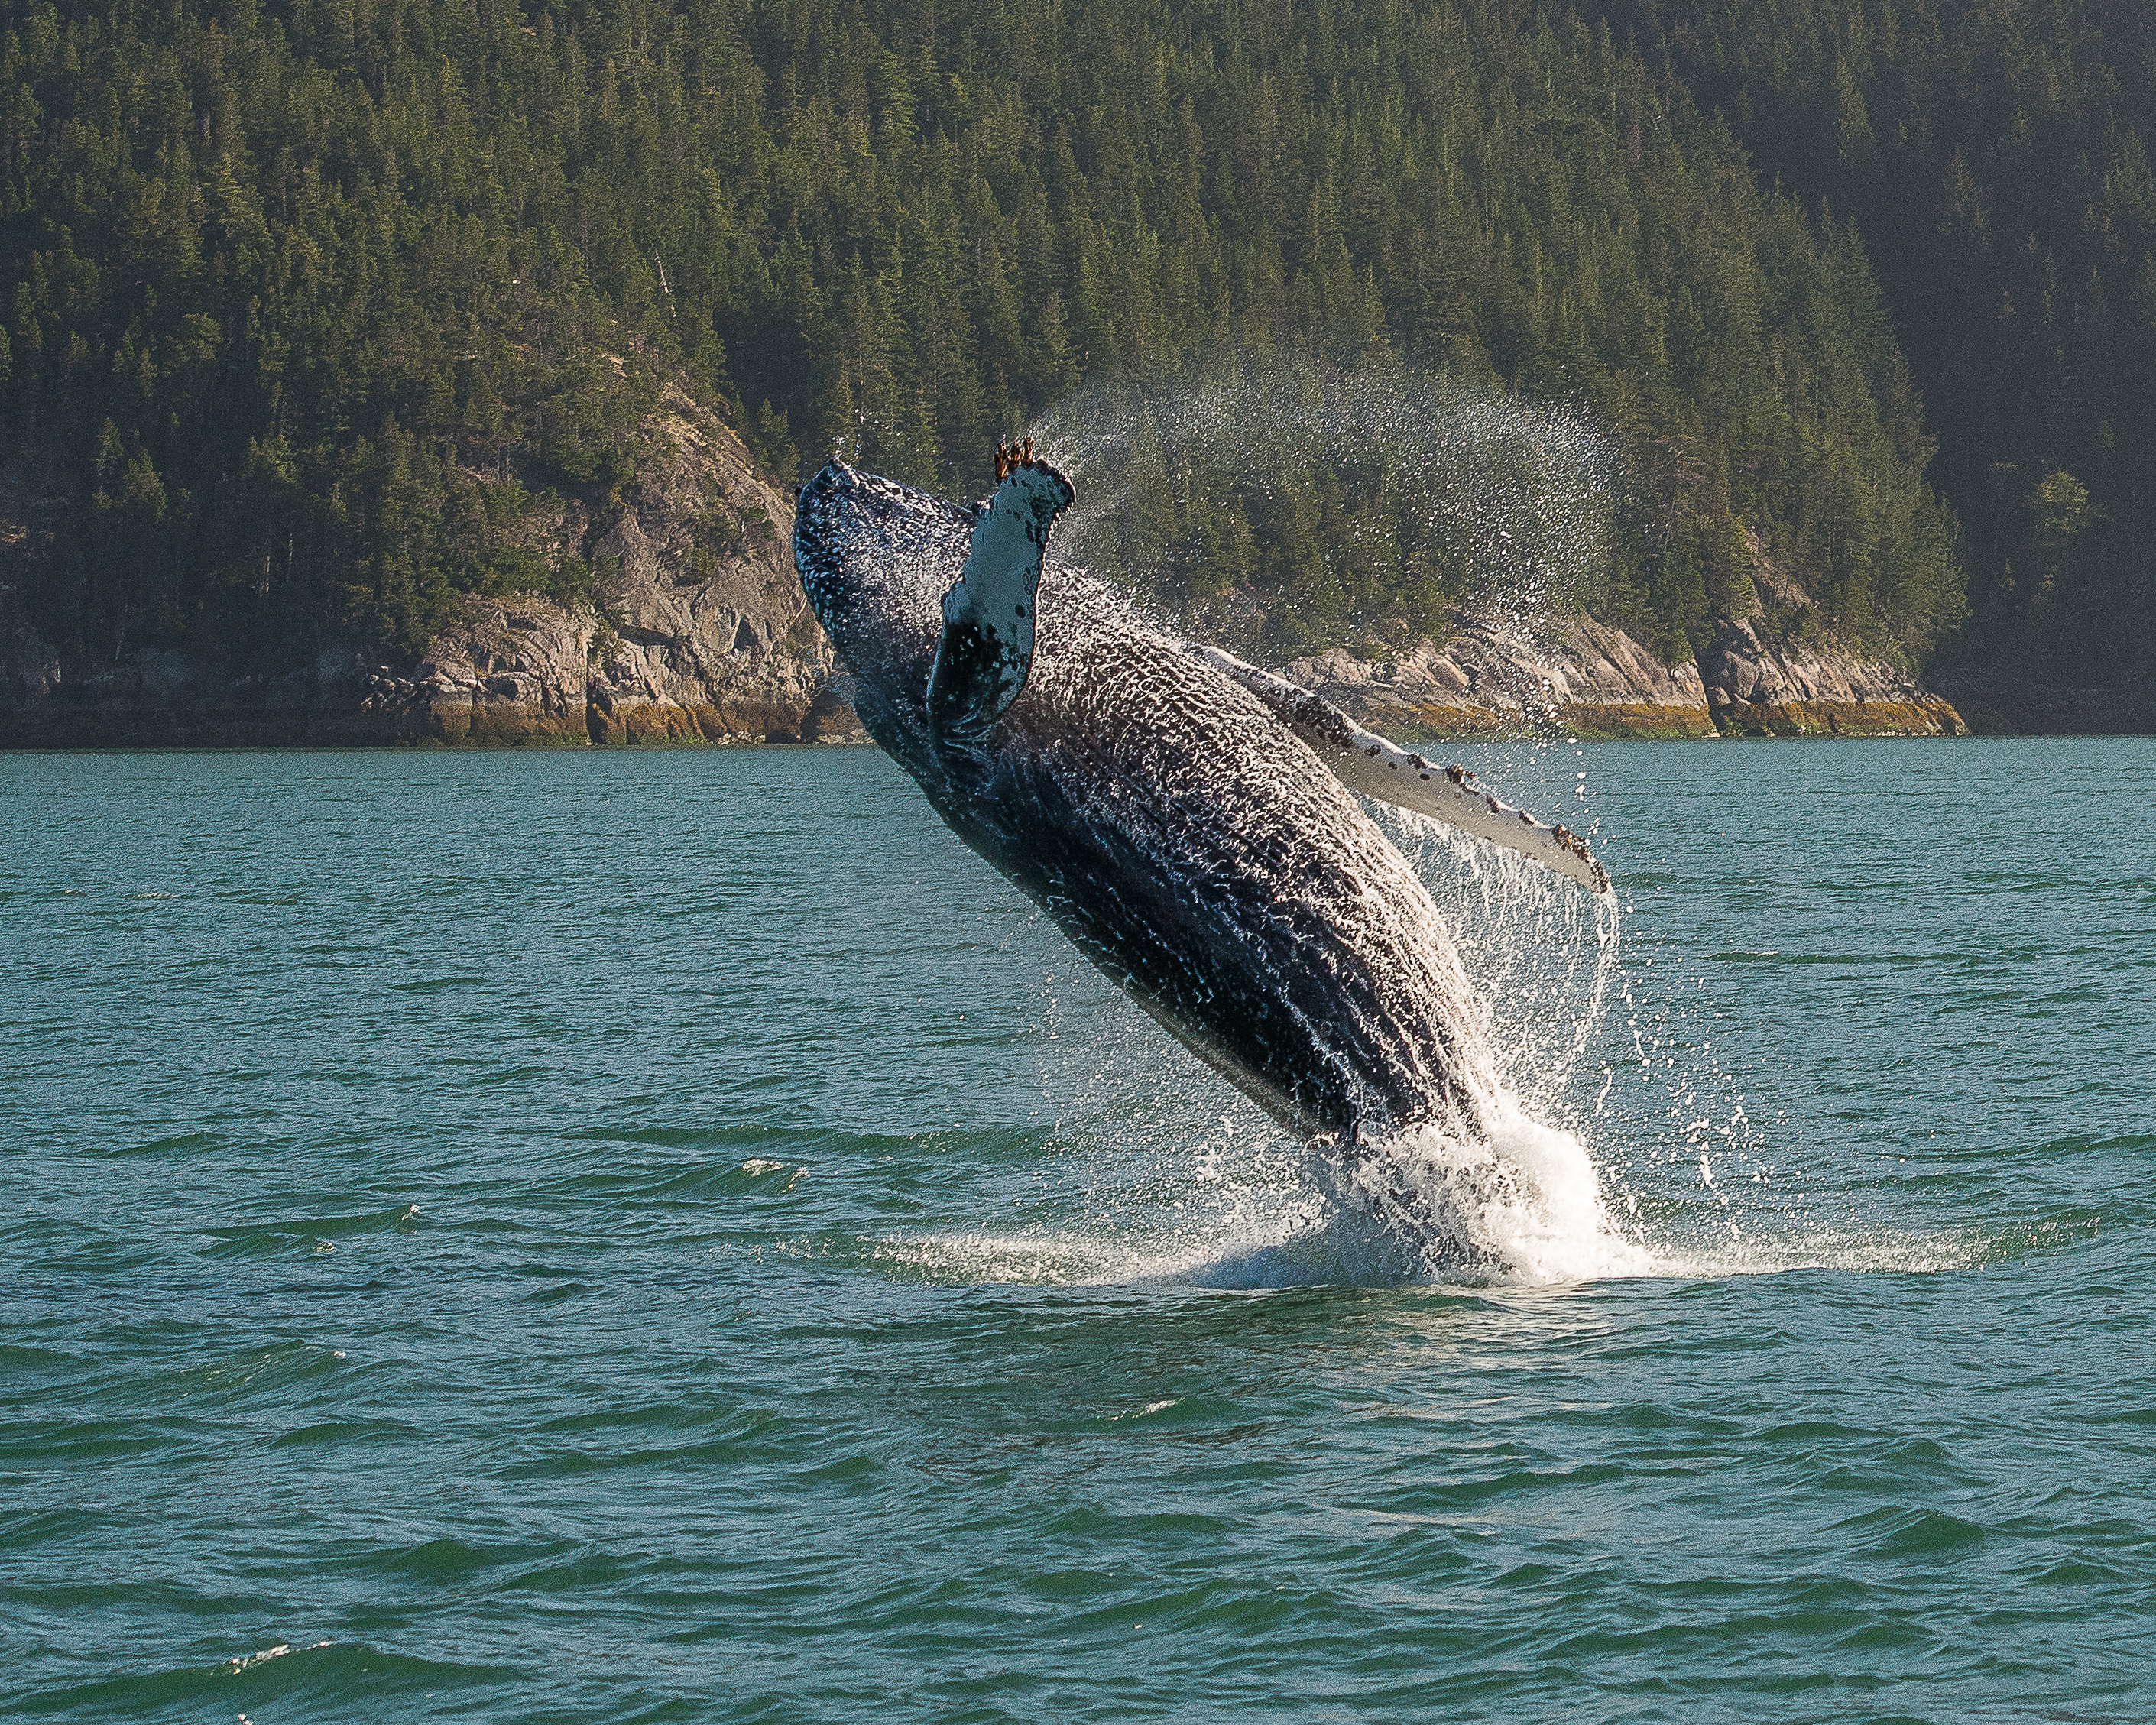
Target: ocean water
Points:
(673, 1236)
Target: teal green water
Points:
(624, 1237)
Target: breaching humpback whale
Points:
(1187, 820)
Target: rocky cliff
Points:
(1755, 690)
(698, 630)
(1493, 679)
(1586, 679)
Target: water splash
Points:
(1522, 1199)
(1542, 955)
(1163, 1174)
(1505, 509)
(1620, 1147)
(1435, 493)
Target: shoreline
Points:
(690, 745)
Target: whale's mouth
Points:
(874, 557)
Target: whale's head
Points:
(875, 558)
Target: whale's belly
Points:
(1213, 866)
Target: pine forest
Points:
(306, 302)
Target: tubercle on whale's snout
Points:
(874, 557)
(811, 564)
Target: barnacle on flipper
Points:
(1012, 456)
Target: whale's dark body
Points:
(1188, 843)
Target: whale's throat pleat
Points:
(986, 652)
(1366, 763)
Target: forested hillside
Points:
(306, 302)
(1996, 155)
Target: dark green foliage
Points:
(1996, 156)
(298, 292)
(287, 285)
(967, 215)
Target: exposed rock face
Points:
(700, 633)
(1609, 685)
(513, 671)
(710, 635)
(1488, 681)
(1759, 690)
(1592, 680)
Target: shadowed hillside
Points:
(316, 314)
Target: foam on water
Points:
(1524, 1207)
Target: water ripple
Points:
(696, 1247)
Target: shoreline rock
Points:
(707, 636)
(736, 658)
(700, 634)
(1589, 680)
(1490, 680)
(1755, 690)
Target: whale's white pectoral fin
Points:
(1368, 763)
(982, 660)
